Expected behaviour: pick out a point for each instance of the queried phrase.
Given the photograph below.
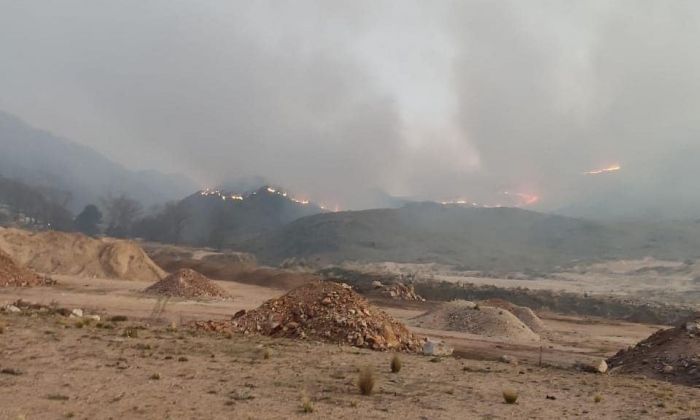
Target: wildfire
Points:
(517, 200)
(238, 197)
(612, 168)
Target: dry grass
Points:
(307, 406)
(396, 364)
(510, 396)
(366, 380)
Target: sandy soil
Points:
(104, 374)
(90, 372)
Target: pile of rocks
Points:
(14, 275)
(672, 355)
(398, 291)
(187, 283)
(326, 311)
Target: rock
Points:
(692, 327)
(77, 312)
(667, 369)
(95, 318)
(377, 284)
(436, 348)
(12, 309)
(600, 366)
(327, 301)
(511, 360)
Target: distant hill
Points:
(42, 159)
(217, 218)
(472, 238)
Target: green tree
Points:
(88, 220)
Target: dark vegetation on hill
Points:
(470, 238)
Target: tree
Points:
(164, 226)
(88, 220)
(121, 212)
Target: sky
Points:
(488, 101)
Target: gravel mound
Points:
(465, 316)
(187, 283)
(76, 254)
(671, 355)
(523, 313)
(326, 311)
(14, 275)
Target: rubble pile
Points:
(187, 283)
(326, 311)
(14, 275)
(398, 291)
(671, 355)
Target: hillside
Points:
(42, 159)
(473, 238)
(217, 218)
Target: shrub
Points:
(307, 406)
(396, 364)
(510, 396)
(118, 318)
(597, 399)
(155, 376)
(131, 332)
(366, 380)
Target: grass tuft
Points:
(366, 380)
(307, 406)
(510, 396)
(396, 364)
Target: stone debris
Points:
(187, 283)
(437, 348)
(14, 275)
(597, 366)
(12, 309)
(326, 311)
(671, 354)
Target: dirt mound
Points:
(671, 355)
(464, 316)
(213, 264)
(523, 313)
(188, 284)
(13, 275)
(77, 254)
(327, 311)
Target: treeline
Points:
(117, 216)
(38, 206)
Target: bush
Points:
(307, 406)
(366, 380)
(510, 396)
(396, 364)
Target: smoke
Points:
(335, 100)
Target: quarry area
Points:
(100, 328)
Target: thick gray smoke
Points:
(336, 100)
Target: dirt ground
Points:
(53, 369)
(92, 372)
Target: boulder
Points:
(436, 348)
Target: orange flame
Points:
(612, 168)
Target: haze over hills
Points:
(40, 158)
(473, 238)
